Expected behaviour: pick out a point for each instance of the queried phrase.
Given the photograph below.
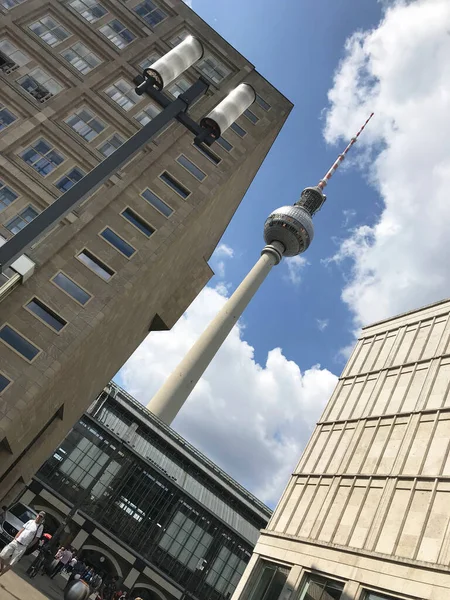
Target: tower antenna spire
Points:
(323, 182)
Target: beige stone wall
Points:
(369, 500)
(168, 270)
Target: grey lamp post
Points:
(163, 72)
(288, 231)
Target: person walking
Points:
(77, 572)
(13, 552)
(64, 557)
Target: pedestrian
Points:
(64, 557)
(14, 551)
(72, 563)
(77, 572)
(110, 587)
(96, 582)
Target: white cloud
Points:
(295, 266)
(220, 255)
(253, 420)
(322, 324)
(401, 71)
(349, 214)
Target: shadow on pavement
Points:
(49, 588)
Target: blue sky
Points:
(381, 243)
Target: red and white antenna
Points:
(323, 182)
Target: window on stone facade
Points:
(225, 144)
(4, 382)
(86, 124)
(149, 60)
(8, 4)
(206, 151)
(70, 179)
(71, 288)
(42, 157)
(147, 114)
(111, 145)
(138, 222)
(321, 588)
(6, 117)
(175, 185)
(123, 94)
(117, 242)
(17, 342)
(96, 265)
(270, 581)
(22, 219)
(178, 87)
(238, 130)
(49, 30)
(157, 203)
(251, 116)
(46, 314)
(186, 540)
(213, 69)
(262, 103)
(91, 10)
(179, 37)
(39, 84)
(191, 167)
(11, 58)
(7, 195)
(81, 58)
(117, 33)
(378, 596)
(150, 12)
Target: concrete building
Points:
(131, 258)
(162, 517)
(366, 514)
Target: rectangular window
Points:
(7, 195)
(206, 151)
(18, 343)
(320, 587)
(40, 84)
(251, 116)
(12, 58)
(225, 144)
(91, 10)
(149, 60)
(117, 33)
(123, 94)
(95, 264)
(4, 382)
(138, 222)
(111, 145)
(8, 4)
(189, 165)
(46, 314)
(149, 113)
(119, 244)
(237, 129)
(174, 184)
(178, 87)
(262, 103)
(270, 582)
(49, 30)
(81, 58)
(157, 203)
(213, 69)
(186, 540)
(6, 117)
(42, 157)
(71, 288)
(150, 12)
(21, 220)
(70, 179)
(179, 37)
(86, 124)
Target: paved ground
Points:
(16, 585)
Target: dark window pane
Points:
(193, 169)
(262, 103)
(4, 382)
(71, 288)
(121, 245)
(6, 117)
(136, 220)
(237, 129)
(225, 144)
(46, 314)
(19, 343)
(157, 203)
(7, 196)
(175, 185)
(251, 116)
(208, 153)
(95, 264)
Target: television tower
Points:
(288, 231)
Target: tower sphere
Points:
(291, 226)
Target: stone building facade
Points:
(131, 258)
(366, 514)
(158, 514)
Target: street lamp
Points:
(288, 231)
(153, 80)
